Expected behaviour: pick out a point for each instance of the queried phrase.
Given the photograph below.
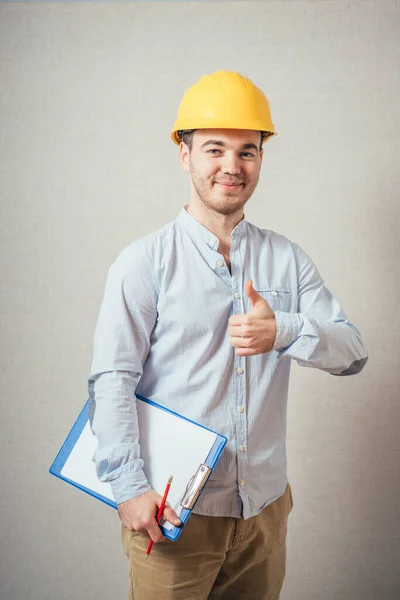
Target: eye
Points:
(245, 154)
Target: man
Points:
(203, 316)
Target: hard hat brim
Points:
(176, 138)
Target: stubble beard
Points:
(225, 204)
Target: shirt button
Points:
(237, 295)
(242, 482)
(240, 370)
(240, 409)
(219, 263)
(241, 448)
(274, 293)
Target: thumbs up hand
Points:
(253, 333)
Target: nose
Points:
(230, 165)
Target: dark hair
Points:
(187, 137)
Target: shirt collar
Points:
(197, 229)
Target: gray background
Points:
(89, 94)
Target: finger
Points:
(241, 331)
(154, 530)
(171, 516)
(246, 352)
(240, 342)
(237, 320)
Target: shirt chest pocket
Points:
(278, 297)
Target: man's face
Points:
(224, 165)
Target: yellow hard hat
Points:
(223, 100)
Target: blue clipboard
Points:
(91, 485)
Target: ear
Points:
(184, 156)
(261, 154)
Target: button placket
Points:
(223, 271)
(241, 423)
(240, 369)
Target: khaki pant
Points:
(214, 557)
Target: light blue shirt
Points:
(163, 332)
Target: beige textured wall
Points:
(89, 93)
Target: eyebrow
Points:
(220, 143)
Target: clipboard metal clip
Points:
(195, 486)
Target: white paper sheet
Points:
(169, 445)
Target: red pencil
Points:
(160, 512)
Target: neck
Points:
(220, 225)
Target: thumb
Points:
(255, 298)
(171, 515)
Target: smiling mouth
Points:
(229, 185)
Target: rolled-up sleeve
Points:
(319, 334)
(121, 344)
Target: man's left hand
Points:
(253, 333)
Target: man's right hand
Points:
(139, 514)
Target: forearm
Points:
(113, 419)
(334, 346)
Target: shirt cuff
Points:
(288, 327)
(124, 489)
